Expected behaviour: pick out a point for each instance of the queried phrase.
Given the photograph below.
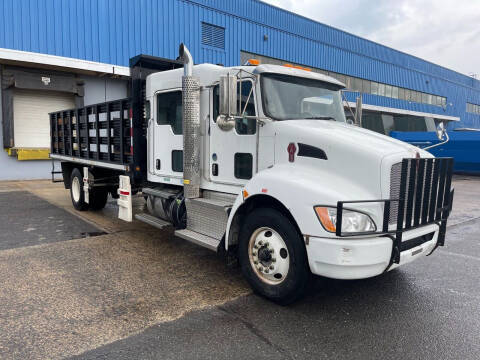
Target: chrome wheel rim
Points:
(76, 189)
(269, 257)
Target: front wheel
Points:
(273, 257)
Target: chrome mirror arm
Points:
(447, 139)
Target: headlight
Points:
(352, 221)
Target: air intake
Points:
(213, 35)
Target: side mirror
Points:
(441, 131)
(225, 123)
(228, 95)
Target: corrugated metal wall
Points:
(112, 31)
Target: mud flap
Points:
(125, 199)
(86, 185)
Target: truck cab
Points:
(258, 162)
(274, 141)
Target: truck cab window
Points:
(242, 126)
(243, 164)
(169, 110)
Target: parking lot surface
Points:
(104, 289)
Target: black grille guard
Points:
(424, 198)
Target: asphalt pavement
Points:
(429, 309)
(87, 286)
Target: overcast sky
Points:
(444, 32)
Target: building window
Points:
(473, 108)
(373, 121)
(388, 91)
(362, 85)
(357, 84)
(213, 35)
(408, 123)
(366, 88)
(381, 89)
(394, 92)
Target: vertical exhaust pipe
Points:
(191, 126)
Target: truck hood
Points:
(352, 154)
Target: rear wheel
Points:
(98, 198)
(273, 257)
(76, 191)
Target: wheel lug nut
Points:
(273, 259)
(271, 251)
(255, 262)
(271, 267)
(255, 246)
(266, 270)
(260, 243)
(254, 253)
(266, 244)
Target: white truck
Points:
(257, 162)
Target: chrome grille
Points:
(419, 186)
(395, 176)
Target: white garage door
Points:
(30, 115)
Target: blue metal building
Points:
(226, 32)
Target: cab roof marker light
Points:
(297, 67)
(252, 62)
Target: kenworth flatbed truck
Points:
(257, 162)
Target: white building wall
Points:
(103, 89)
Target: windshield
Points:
(287, 97)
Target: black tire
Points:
(293, 286)
(98, 198)
(76, 191)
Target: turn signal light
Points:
(324, 217)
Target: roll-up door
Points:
(30, 114)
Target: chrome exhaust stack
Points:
(191, 126)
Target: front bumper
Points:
(357, 258)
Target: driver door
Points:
(233, 153)
(167, 131)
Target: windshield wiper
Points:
(320, 118)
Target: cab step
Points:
(198, 239)
(208, 216)
(152, 220)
